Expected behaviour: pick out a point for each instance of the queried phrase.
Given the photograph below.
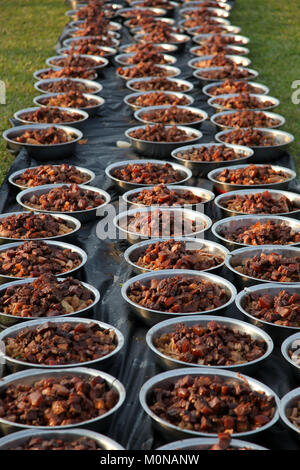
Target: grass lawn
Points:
(29, 30)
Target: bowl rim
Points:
(286, 344)
(233, 57)
(90, 96)
(91, 83)
(196, 74)
(68, 41)
(218, 11)
(180, 38)
(264, 130)
(183, 444)
(241, 37)
(84, 114)
(171, 68)
(195, 319)
(266, 112)
(67, 129)
(102, 61)
(203, 116)
(262, 98)
(187, 129)
(38, 72)
(284, 403)
(166, 56)
(130, 82)
(137, 94)
(236, 147)
(206, 88)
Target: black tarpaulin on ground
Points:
(107, 270)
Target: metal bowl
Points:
(266, 154)
(217, 20)
(169, 8)
(151, 317)
(168, 48)
(180, 40)
(18, 173)
(132, 254)
(241, 254)
(170, 69)
(244, 221)
(206, 90)
(238, 50)
(201, 115)
(72, 41)
(208, 197)
(203, 168)
(130, 83)
(220, 187)
(83, 216)
(285, 348)
(4, 278)
(20, 438)
(109, 51)
(133, 29)
(90, 110)
(221, 127)
(205, 444)
(202, 221)
(219, 201)
(136, 107)
(238, 39)
(226, 29)
(168, 326)
(112, 25)
(43, 152)
(10, 320)
(239, 60)
(156, 11)
(38, 73)
(289, 400)
(261, 98)
(15, 365)
(205, 81)
(31, 376)
(199, 4)
(73, 33)
(127, 186)
(189, 12)
(100, 61)
(73, 223)
(89, 83)
(160, 149)
(277, 332)
(77, 124)
(170, 431)
(122, 59)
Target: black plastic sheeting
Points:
(107, 270)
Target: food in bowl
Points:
(144, 69)
(70, 99)
(259, 203)
(72, 72)
(243, 101)
(252, 175)
(155, 57)
(249, 137)
(247, 118)
(51, 174)
(49, 136)
(213, 153)
(157, 83)
(148, 173)
(65, 85)
(76, 60)
(229, 71)
(158, 98)
(171, 115)
(29, 226)
(163, 196)
(233, 86)
(161, 133)
(50, 116)
(42, 443)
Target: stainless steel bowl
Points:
(130, 83)
(201, 115)
(205, 444)
(18, 173)
(156, 11)
(245, 221)
(10, 320)
(97, 87)
(203, 222)
(188, 12)
(160, 149)
(170, 431)
(127, 186)
(170, 7)
(207, 197)
(73, 223)
(238, 50)
(112, 25)
(222, 127)
(108, 51)
(4, 278)
(226, 29)
(168, 326)
(221, 187)
(31, 376)
(73, 33)
(216, 19)
(103, 363)
(133, 29)
(122, 59)
(261, 98)
(203, 80)
(72, 41)
(132, 254)
(180, 40)
(38, 73)
(287, 402)
(206, 89)
(203, 168)
(83, 216)
(266, 154)
(77, 124)
(286, 347)
(168, 48)
(100, 62)
(277, 194)
(151, 317)
(20, 438)
(90, 110)
(237, 59)
(234, 258)
(170, 69)
(199, 4)
(135, 107)
(43, 152)
(238, 39)
(277, 332)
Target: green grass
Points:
(274, 34)
(29, 30)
